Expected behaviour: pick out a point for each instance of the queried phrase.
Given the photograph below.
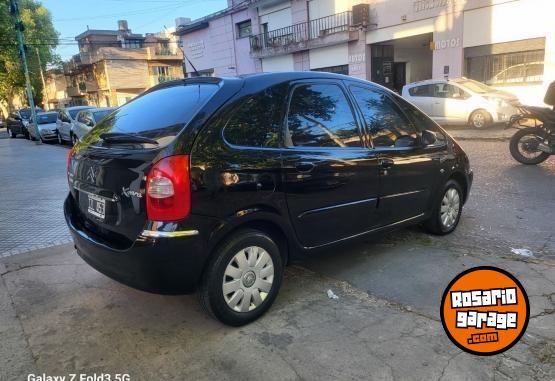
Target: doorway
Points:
(398, 62)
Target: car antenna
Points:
(190, 63)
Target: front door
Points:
(399, 76)
(330, 177)
(450, 104)
(406, 169)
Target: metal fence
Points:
(305, 31)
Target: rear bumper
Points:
(159, 265)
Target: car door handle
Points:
(305, 166)
(386, 163)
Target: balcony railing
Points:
(164, 52)
(318, 28)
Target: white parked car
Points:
(64, 123)
(47, 127)
(87, 119)
(461, 101)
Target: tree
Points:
(39, 34)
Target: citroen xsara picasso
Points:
(214, 184)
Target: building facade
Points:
(507, 44)
(55, 91)
(114, 66)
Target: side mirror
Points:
(428, 137)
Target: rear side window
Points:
(421, 91)
(320, 116)
(256, 122)
(421, 121)
(387, 124)
(159, 115)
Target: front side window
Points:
(421, 121)
(385, 121)
(447, 90)
(257, 121)
(320, 116)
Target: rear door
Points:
(407, 171)
(107, 178)
(329, 176)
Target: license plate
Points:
(97, 206)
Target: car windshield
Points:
(159, 115)
(46, 118)
(476, 86)
(25, 113)
(98, 115)
(73, 113)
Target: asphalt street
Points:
(60, 316)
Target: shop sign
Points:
(425, 5)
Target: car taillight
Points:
(168, 189)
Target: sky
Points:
(71, 17)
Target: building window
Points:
(340, 69)
(132, 44)
(244, 29)
(514, 63)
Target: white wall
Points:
(329, 56)
(323, 8)
(513, 21)
(418, 62)
(278, 63)
(277, 16)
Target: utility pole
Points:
(44, 90)
(14, 10)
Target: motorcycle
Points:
(534, 141)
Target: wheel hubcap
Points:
(450, 205)
(479, 120)
(248, 279)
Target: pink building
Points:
(390, 42)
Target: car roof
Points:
(261, 80)
(47, 112)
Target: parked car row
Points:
(69, 124)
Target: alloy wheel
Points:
(248, 279)
(450, 207)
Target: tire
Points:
(224, 268)
(436, 224)
(59, 139)
(27, 135)
(515, 149)
(480, 119)
(12, 134)
(74, 139)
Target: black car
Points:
(17, 122)
(214, 184)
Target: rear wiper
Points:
(121, 137)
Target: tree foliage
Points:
(39, 36)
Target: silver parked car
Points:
(87, 119)
(47, 127)
(462, 101)
(66, 117)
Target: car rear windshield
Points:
(47, 118)
(74, 112)
(160, 115)
(98, 115)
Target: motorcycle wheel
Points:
(522, 146)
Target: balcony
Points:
(82, 89)
(325, 31)
(163, 54)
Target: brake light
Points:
(168, 189)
